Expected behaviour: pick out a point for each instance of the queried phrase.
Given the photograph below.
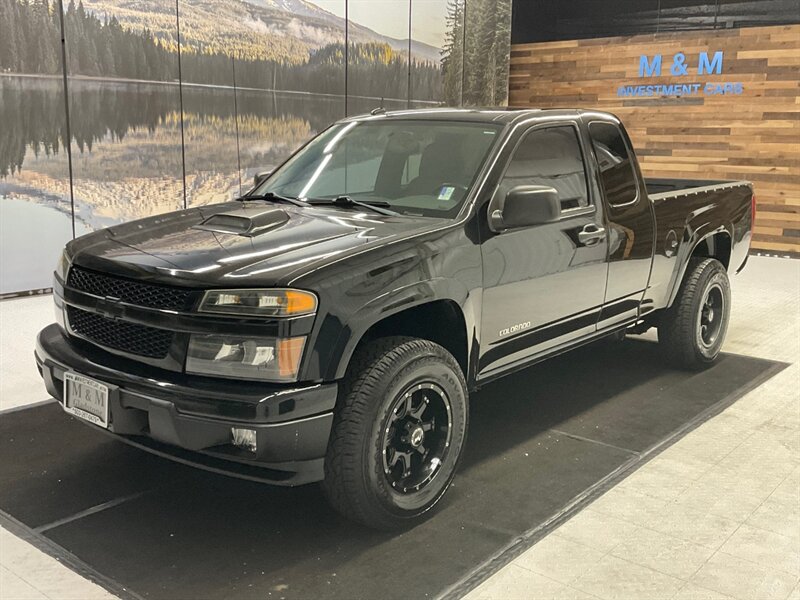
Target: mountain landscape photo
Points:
(176, 104)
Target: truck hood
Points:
(235, 243)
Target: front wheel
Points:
(398, 432)
(692, 330)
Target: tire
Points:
(692, 330)
(400, 396)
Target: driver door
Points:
(543, 285)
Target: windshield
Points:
(413, 167)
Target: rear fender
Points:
(691, 240)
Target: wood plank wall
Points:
(754, 136)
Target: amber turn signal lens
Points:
(300, 303)
(263, 358)
(289, 353)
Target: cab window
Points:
(550, 157)
(614, 160)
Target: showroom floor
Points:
(716, 515)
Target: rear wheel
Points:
(692, 330)
(398, 432)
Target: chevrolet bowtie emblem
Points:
(110, 307)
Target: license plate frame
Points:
(93, 398)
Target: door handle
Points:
(591, 235)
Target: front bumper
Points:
(189, 418)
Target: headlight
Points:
(260, 303)
(62, 266)
(273, 359)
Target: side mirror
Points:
(526, 205)
(260, 177)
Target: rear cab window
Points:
(616, 167)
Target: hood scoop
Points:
(246, 226)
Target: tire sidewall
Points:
(714, 274)
(427, 368)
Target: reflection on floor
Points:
(716, 515)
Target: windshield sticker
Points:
(446, 192)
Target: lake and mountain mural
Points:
(156, 105)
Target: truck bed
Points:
(686, 211)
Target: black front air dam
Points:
(162, 412)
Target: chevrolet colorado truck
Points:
(329, 325)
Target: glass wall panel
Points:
(283, 101)
(122, 68)
(487, 48)
(35, 210)
(210, 43)
(377, 68)
(212, 162)
(435, 25)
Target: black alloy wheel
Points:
(417, 437)
(712, 313)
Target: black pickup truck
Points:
(330, 324)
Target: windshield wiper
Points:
(379, 206)
(271, 197)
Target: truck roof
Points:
(504, 115)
